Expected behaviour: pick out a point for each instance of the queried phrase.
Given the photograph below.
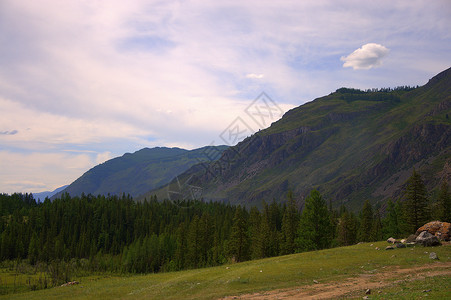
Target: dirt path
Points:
(353, 284)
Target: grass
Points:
(429, 288)
(259, 275)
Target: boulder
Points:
(400, 245)
(426, 239)
(391, 240)
(411, 238)
(389, 248)
(433, 255)
(442, 230)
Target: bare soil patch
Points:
(373, 281)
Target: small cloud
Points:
(254, 76)
(367, 57)
(12, 132)
(103, 157)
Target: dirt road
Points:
(355, 284)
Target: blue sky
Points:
(84, 81)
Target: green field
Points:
(283, 272)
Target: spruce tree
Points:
(416, 203)
(376, 228)
(391, 221)
(366, 222)
(445, 203)
(314, 230)
(238, 243)
(289, 225)
(346, 229)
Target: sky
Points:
(82, 82)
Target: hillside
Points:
(351, 145)
(136, 173)
(344, 272)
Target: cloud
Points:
(12, 132)
(254, 76)
(367, 57)
(36, 172)
(92, 77)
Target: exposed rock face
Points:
(426, 239)
(442, 230)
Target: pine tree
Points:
(314, 230)
(366, 222)
(416, 204)
(289, 225)
(254, 232)
(238, 243)
(445, 203)
(376, 228)
(193, 242)
(347, 229)
(391, 221)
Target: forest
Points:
(117, 234)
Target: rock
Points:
(426, 239)
(368, 291)
(400, 245)
(315, 281)
(442, 230)
(377, 248)
(411, 238)
(391, 240)
(410, 244)
(389, 248)
(433, 255)
(366, 297)
(70, 283)
(403, 241)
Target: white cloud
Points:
(36, 172)
(103, 157)
(94, 77)
(254, 76)
(367, 57)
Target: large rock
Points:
(426, 239)
(411, 238)
(442, 230)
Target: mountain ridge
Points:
(351, 145)
(136, 173)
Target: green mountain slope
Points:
(351, 145)
(138, 172)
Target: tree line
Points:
(118, 234)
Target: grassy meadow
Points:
(281, 272)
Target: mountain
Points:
(351, 145)
(42, 195)
(139, 172)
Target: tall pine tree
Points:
(445, 203)
(416, 203)
(314, 230)
(289, 225)
(238, 243)
(366, 222)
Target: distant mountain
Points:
(351, 145)
(141, 171)
(42, 195)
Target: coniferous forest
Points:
(117, 234)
